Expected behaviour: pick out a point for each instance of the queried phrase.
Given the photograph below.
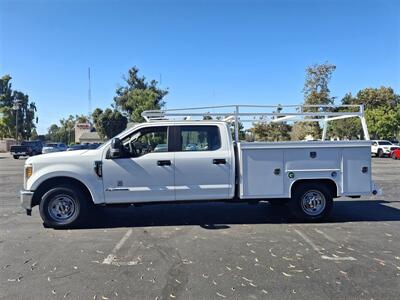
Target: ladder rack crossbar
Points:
(273, 113)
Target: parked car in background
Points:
(395, 142)
(27, 148)
(395, 154)
(83, 146)
(382, 148)
(54, 147)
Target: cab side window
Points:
(200, 138)
(147, 140)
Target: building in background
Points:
(89, 137)
(81, 128)
(84, 134)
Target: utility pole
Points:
(16, 107)
(89, 97)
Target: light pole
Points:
(16, 107)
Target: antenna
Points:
(89, 98)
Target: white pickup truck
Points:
(382, 148)
(195, 160)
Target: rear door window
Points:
(199, 138)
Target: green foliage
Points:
(376, 97)
(109, 122)
(316, 92)
(383, 122)
(242, 133)
(63, 133)
(53, 133)
(305, 130)
(316, 89)
(139, 95)
(26, 111)
(271, 132)
(381, 112)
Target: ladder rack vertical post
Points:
(364, 123)
(237, 123)
(325, 128)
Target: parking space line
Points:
(319, 250)
(310, 242)
(325, 235)
(111, 257)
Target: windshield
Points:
(28, 143)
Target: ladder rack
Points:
(263, 114)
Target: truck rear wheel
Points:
(311, 202)
(63, 206)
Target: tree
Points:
(316, 92)
(109, 123)
(271, 132)
(138, 95)
(305, 130)
(381, 113)
(26, 111)
(349, 128)
(383, 122)
(81, 119)
(53, 133)
(65, 133)
(34, 135)
(375, 97)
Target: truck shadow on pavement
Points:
(214, 216)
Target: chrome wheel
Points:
(62, 207)
(313, 202)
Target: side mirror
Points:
(116, 148)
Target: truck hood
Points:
(56, 156)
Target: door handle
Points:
(163, 162)
(219, 161)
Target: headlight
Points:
(28, 171)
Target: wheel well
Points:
(330, 184)
(51, 182)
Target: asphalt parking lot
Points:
(204, 251)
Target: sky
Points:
(205, 52)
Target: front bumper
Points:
(21, 153)
(26, 200)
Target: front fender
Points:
(89, 178)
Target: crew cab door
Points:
(145, 173)
(203, 163)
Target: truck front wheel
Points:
(311, 202)
(63, 206)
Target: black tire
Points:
(302, 211)
(66, 196)
(16, 156)
(380, 153)
(278, 202)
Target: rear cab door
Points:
(204, 163)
